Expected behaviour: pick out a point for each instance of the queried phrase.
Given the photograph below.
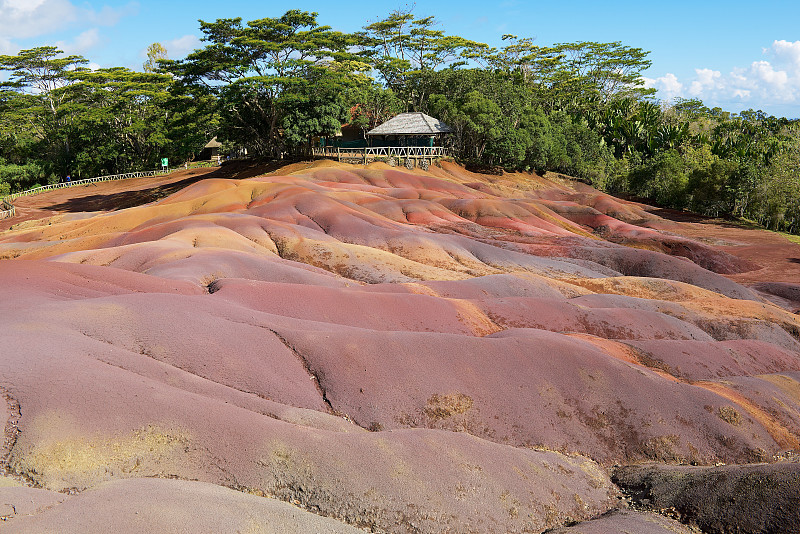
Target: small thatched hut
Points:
(408, 138)
(211, 150)
(409, 129)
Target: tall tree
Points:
(587, 75)
(122, 119)
(373, 105)
(155, 53)
(263, 70)
(36, 93)
(536, 64)
(403, 48)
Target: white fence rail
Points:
(8, 210)
(7, 203)
(411, 154)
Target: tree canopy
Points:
(277, 81)
(272, 85)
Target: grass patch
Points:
(753, 225)
(444, 406)
(791, 237)
(80, 462)
(729, 415)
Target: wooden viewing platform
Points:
(410, 156)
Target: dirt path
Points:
(121, 194)
(103, 196)
(779, 258)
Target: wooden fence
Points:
(8, 206)
(8, 210)
(412, 156)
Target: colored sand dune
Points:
(440, 351)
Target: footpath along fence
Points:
(7, 203)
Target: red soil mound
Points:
(166, 506)
(627, 521)
(397, 351)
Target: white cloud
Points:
(668, 85)
(772, 81)
(109, 16)
(776, 83)
(30, 18)
(767, 73)
(82, 43)
(23, 19)
(7, 47)
(707, 80)
(786, 52)
(180, 47)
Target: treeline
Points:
(273, 85)
(58, 118)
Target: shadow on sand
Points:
(127, 199)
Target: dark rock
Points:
(758, 498)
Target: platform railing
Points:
(371, 153)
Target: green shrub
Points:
(662, 179)
(22, 177)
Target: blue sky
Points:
(734, 54)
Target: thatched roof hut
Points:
(210, 150)
(415, 123)
(408, 138)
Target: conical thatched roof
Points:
(213, 143)
(411, 124)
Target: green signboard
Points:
(165, 162)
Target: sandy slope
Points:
(432, 351)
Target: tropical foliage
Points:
(58, 118)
